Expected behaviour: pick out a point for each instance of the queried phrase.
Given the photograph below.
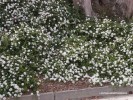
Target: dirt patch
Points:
(54, 86)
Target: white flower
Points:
(64, 53)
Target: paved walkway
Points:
(126, 97)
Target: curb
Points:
(106, 91)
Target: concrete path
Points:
(126, 97)
(100, 93)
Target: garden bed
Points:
(54, 86)
(53, 41)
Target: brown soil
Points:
(52, 86)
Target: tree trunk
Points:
(88, 8)
(125, 7)
(85, 5)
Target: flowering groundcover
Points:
(50, 39)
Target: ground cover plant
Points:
(50, 39)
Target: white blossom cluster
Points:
(48, 40)
(30, 33)
(112, 51)
(33, 12)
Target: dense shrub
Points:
(55, 43)
(111, 50)
(49, 13)
(30, 31)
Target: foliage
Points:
(54, 42)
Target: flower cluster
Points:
(111, 50)
(30, 33)
(49, 39)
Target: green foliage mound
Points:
(50, 39)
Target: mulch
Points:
(54, 86)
